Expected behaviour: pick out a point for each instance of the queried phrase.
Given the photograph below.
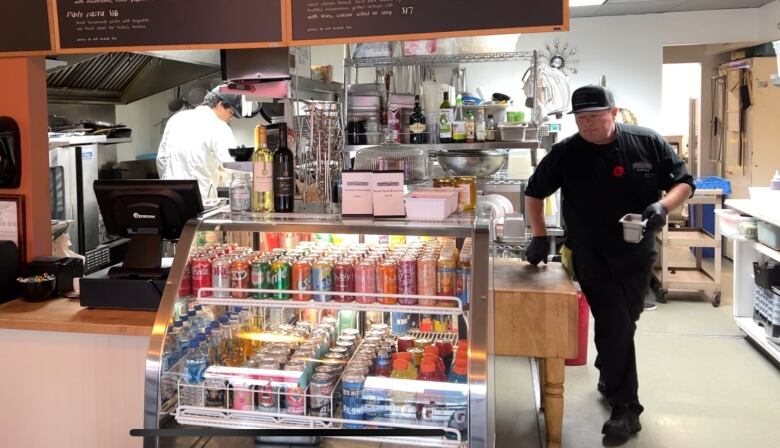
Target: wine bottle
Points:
(417, 129)
(262, 173)
(445, 120)
(284, 175)
(459, 122)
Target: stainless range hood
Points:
(124, 77)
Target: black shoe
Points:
(602, 388)
(623, 422)
(650, 306)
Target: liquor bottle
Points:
(284, 174)
(262, 171)
(470, 127)
(445, 120)
(490, 129)
(459, 123)
(417, 124)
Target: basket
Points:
(713, 183)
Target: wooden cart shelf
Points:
(688, 238)
(687, 279)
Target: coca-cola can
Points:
(220, 276)
(201, 276)
(185, 287)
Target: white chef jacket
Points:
(193, 146)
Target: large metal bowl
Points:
(472, 163)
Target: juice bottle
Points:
(446, 268)
(459, 373)
(403, 369)
(428, 372)
(432, 352)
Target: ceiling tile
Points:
(705, 5)
(584, 11)
(637, 7)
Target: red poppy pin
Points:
(618, 171)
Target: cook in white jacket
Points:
(196, 142)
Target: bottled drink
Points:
(490, 129)
(446, 275)
(403, 369)
(459, 373)
(196, 364)
(170, 350)
(445, 120)
(417, 129)
(470, 127)
(284, 174)
(459, 123)
(262, 171)
(428, 372)
(463, 283)
(480, 128)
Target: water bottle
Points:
(170, 350)
(182, 338)
(207, 313)
(195, 367)
(187, 326)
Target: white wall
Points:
(144, 117)
(769, 22)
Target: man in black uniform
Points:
(605, 171)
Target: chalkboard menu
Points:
(85, 24)
(25, 26)
(340, 20)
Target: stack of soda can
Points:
(417, 268)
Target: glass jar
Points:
(241, 192)
(391, 156)
(467, 196)
(443, 182)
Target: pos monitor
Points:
(146, 211)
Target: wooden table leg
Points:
(553, 401)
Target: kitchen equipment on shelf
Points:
(482, 164)
(552, 90)
(391, 156)
(319, 150)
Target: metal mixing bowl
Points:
(472, 163)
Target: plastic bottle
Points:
(463, 282)
(196, 365)
(170, 350)
(428, 372)
(403, 369)
(208, 313)
(432, 352)
(459, 373)
(182, 338)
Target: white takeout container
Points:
(633, 227)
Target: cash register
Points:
(146, 211)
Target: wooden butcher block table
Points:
(536, 316)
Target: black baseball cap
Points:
(591, 98)
(230, 100)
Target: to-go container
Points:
(633, 227)
(768, 234)
(735, 226)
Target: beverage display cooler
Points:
(308, 321)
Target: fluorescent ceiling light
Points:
(576, 3)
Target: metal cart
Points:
(667, 276)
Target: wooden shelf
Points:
(688, 238)
(686, 279)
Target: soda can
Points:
(329, 369)
(383, 364)
(388, 282)
(351, 392)
(240, 277)
(322, 280)
(426, 279)
(463, 283)
(185, 286)
(281, 278)
(301, 280)
(267, 398)
(405, 343)
(344, 280)
(347, 320)
(365, 281)
(241, 396)
(417, 355)
(422, 342)
(381, 327)
(321, 395)
(399, 323)
(407, 280)
(295, 400)
(201, 276)
(343, 348)
(220, 276)
(261, 277)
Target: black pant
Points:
(616, 299)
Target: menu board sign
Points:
(351, 20)
(86, 24)
(25, 26)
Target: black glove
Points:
(655, 214)
(537, 250)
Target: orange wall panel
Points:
(23, 98)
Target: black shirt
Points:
(602, 183)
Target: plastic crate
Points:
(766, 310)
(713, 183)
